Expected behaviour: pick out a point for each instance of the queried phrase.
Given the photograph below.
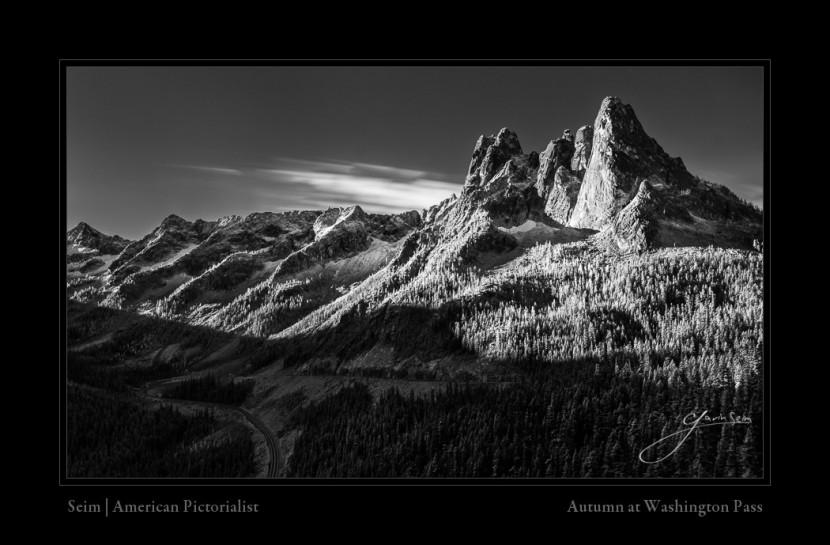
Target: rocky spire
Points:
(622, 155)
(582, 150)
(490, 154)
(482, 145)
(557, 154)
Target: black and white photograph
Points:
(400, 272)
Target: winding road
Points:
(274, 461)
(274, 458)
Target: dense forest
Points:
(576, 423)
(112, 437)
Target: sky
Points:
(207, 142)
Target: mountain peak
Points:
(82, 226)
(173, 219)
(490, 155)
(355, 210)
(621, 156)
(610, 103)
(337, 216)
(587, 181)
(84, 235)
(81, 230)
(508, 140)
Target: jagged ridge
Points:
(611, 188)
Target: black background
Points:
(795, 459)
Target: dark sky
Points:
(207, 142)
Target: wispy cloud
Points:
(213, 170)
(302, 183)
(374, 192)
(391, 173)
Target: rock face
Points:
(562, 195)
(337, 235)
(635, 226)
(507, 194)
(474, 171)
(622, 156)
(490, 155)
(387, 227)
(341, 217)
(557, 154)
(639, 197)
(582, 150)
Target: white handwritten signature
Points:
(694, 422)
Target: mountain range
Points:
(602, 249)
(611, 188)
